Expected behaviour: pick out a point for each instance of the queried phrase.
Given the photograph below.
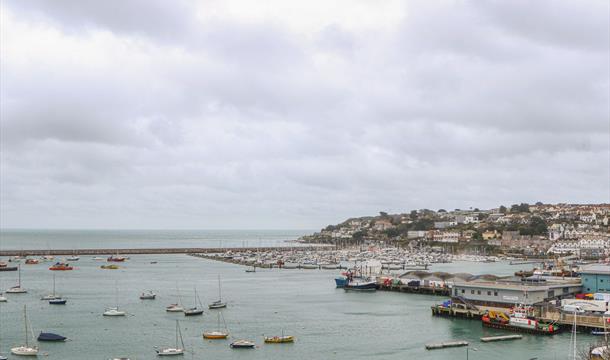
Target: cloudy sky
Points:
(285, 114)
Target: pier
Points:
(446, 345)
(501, 338)
(427, 290)
(148, 251)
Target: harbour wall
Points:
(145, 251)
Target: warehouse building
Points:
(506, 292)
(595, 278)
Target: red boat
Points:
(32, 261)
(115, 258)
(61, 267)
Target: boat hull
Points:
(215, 335)
(51, 337)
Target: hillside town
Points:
(538, 229)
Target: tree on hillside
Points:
(503, 209)
(413, 214)
(442, 211)
(521, 208)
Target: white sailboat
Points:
(2, 297)
(17, 289)
(218, 304)
(195, 310)
(25, 350)
(51, 296)
(179, 349)
(177, 307)
(114, 311)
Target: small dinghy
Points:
(243, 344)
(44, 336)
(174, 308)
(148, 295)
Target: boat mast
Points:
(53, 284)
(179, 332)
(219, 290)
(25, 322)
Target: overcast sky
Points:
(286, 114)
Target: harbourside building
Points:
(506, 292)
(595, 278)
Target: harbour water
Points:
(328, 323)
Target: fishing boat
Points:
(178, 350)
(148, 295)
(61, 267)
(242, 344)
(217, 334)
(218, 304)
(360, 284)
(195, 310)
(110, 267)
(46, 336)
(25, 350)
(114, 311)
(341, 281)
(519, 319)
(17, 289)
(279, 339)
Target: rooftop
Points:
(596, 269)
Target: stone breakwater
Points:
(136, 251)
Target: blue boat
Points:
(341, 282)
(50, 337)
(58, 301)
(361, 285)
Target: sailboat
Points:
(178, 350)
(177, 307)
(17, 289)
(279, 339)
(218, 304)
(25, 350)
(195, 310)
(53, 296)
(219, 333)
(2, 297)
(114, 311)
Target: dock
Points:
(448, 344)
(501, 338)
(427, 290)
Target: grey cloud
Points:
(251, 124)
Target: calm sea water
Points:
(328, 323)
(91, 239)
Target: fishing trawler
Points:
(519, 319)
